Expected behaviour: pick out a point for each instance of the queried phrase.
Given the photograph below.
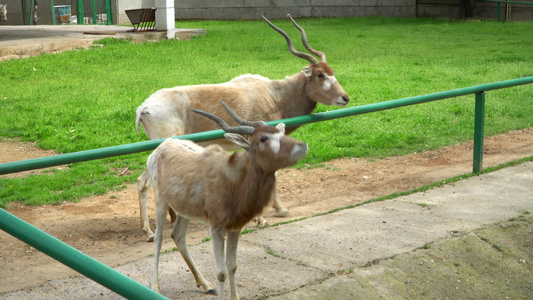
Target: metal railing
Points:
(131, 289)
(93, 154)
(75, 259)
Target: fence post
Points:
(108, 12)
(479, 128)
(79, 5)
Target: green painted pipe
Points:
(93, 269)
(479, 132)
(79, 5)
(53, 12)
(74, 157)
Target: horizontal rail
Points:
(93, 154)
(75, 259)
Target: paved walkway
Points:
(24, 41)
(349, 254)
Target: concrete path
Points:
(24, 41)
(367, 252)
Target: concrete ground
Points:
(25, 41)
(471, 239)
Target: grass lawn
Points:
(80, 100)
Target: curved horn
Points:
(305, 56)
(306, 45)
(224, 125)
(240, 120)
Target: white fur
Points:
(328, 82)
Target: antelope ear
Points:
(238, 139)
(281, 128)
(307, 71)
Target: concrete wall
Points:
(253, 9)
(455, 9)
(519, 12)
(119, 8)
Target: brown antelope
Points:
(223, 190)
(166, 113)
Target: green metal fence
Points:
(73, 258)
(478, 90)
(131, 289)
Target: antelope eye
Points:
(320, 76)
(264, 139)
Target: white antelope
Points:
(223, 190)
(166, 113)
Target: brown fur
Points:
(224, 190)
(209, 184)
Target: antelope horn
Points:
(240, 120)
(224, 125)
(305, 56)
(306, 45)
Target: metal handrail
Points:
(93, 154)
(75, 259)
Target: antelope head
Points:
(268, 146)
(322, 85)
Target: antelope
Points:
(166, 113)
(224, 190)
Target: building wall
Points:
(44, 10)
(518, 12)
(119, 8)
(253, 9)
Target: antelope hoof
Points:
(260, 222)
(282, 212)
(150, 237)
(211, 292)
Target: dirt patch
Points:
(13, 150)
(107, 227)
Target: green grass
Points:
(86, 99)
